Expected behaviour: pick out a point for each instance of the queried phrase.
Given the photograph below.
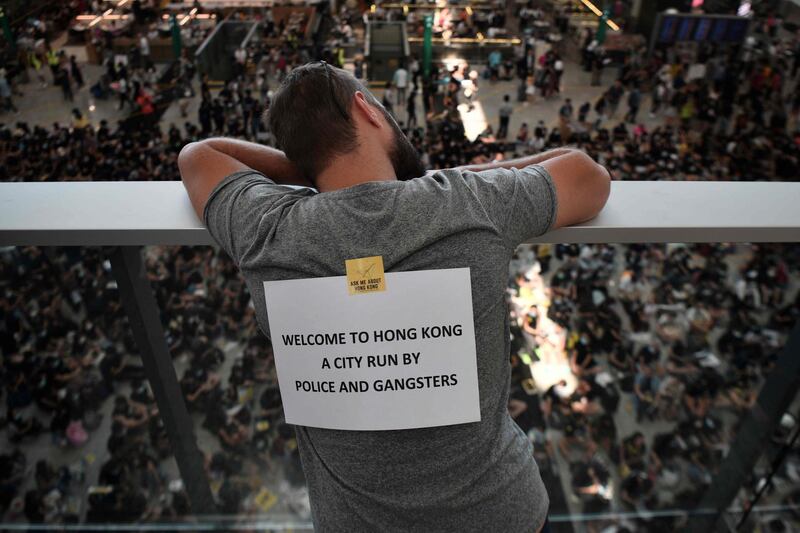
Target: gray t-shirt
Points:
(468, 477)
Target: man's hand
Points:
(205, 163)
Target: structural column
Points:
(144, 317)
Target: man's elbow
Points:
(187, 158)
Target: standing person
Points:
(600, 108)
(659, 95)
(411, 109)
(79, 120)
(558, 68)
(144, 50)
(566, 111)
(583, 112)
(122, 91)
(400, 82)
(505, 117)
(5, 93)
(495, 60)
(65, 83)
(249, 109)
(564, 120)
(53, 62)
(36, 62)
(204, 117)
(75, 71)
(240, 56)
(522, 134)
(358, 69)
(613, 97)
(475, 217)
(634, 101)
(415, 71)
(598, 62)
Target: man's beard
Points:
(405, 160)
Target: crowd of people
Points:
(683, 334)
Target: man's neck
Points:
(353, 169)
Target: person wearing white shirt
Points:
(241, 60)
(400, 81)
(144, 49)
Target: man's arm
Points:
(582, 185)
(520, 162)
(205, 163)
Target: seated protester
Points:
(581, 360)
(607, 316)
(576, 435)
(554, 404)
(231, 495)
(679, 362)
(159, 439)
(65, 371)
(200, 387)
(670, 397)
(563, 282)
(270, 402)
(786, 317)
(34, 508)
(130, 415)
(560, 311)
(586, 398)
(699, 459)
(648, 355)
(632, 453)
(240, 382)
(21, 427)
(664, 454)
(700, 323)
(604, 335)
(117, 439)
(697, 400)
(604, 432)
(621, 358)
(739, 393)
(520, 372)
(140, 393)
(645, 391)
(636, 492)
(590, 482)
(46, 476)
(233, 435)
(12, 476)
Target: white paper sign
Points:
(398, 359)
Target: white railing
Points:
(124, 216)
(143, 213)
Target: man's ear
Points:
(367, 110)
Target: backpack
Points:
(76, 435)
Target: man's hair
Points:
(310, 116)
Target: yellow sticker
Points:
(365, 275)
(265, 499)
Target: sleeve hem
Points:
(551, 188)
(224, 183)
